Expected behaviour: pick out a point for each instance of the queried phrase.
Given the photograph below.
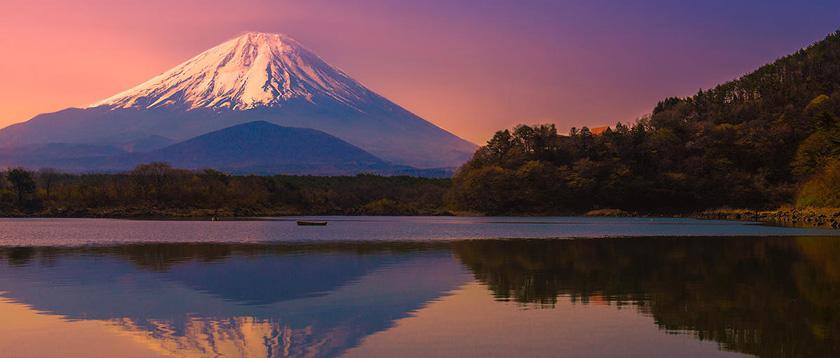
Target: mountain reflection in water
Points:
(770, 297)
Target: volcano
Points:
(254, 77)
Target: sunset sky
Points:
(469, 66)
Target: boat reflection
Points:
(770, 297)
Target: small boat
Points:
(311, 223)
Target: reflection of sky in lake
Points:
(644, 296)
(291, 302)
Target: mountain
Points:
(264, 148)
(251, 71)
(257, 147)
(256, 76)
(146, 144)
(70, 157)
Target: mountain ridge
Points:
(260, 147)
(255, 76)
(253, 148)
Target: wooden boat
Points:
(311, 223)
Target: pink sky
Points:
(471, 67)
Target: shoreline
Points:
(826, 218)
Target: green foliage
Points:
(7, 196)
(822, 190)
(746, 143)
(480, 188)
(387, 206)
(23, 187)
(816, 151)
(22, 183)
(157, 189)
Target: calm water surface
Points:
(388, 287)
(25, 232)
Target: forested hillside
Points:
(769, 138)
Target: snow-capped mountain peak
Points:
(253, 77)
(252, 70)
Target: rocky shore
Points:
(800, 217)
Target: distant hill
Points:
(264, 148)
(752, 142)
(257, 147)
(71, 157)
(146, 144)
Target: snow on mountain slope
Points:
(252, 70)
(254, 77)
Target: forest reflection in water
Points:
(770, 297)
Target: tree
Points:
(500, 144)
(823, 190)
(48, 177)
(23, 186)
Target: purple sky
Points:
(471, 67)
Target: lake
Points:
(417, 287)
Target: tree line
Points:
(157, 189)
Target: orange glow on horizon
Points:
(469, 69)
